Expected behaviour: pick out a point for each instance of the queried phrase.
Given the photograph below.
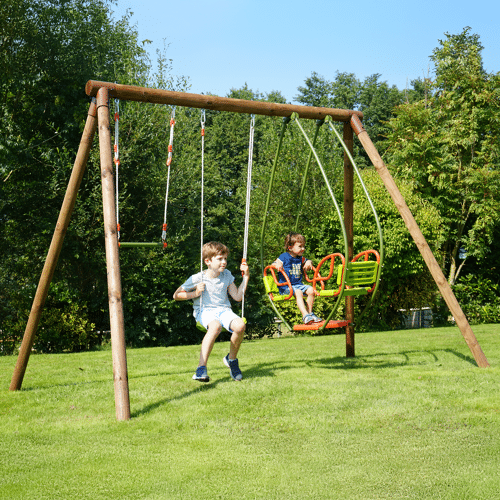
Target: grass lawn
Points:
(410, 417)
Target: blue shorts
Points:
(223, 316)
(284, 290)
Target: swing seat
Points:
(272, 289)
(273, 292)
(204, 330)
(333, 323)
(360, 277)
(126, 244)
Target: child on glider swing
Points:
(209, 290)
(294, 264)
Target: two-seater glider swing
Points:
(357, 276)
(99, 118)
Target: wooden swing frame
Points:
(99, 118)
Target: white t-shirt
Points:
(215, 295)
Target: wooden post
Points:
(349, 227)
(119, 355)
(55, 248)
(421, 243)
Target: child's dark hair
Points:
(292, 238)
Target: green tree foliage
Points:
(447, 146)
(49, 49)
(376, 99)
(480, 299)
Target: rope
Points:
(117, 163)
(247, 202)
(203, 117)
(169, 161)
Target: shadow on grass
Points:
(256, 371)
(379, 360)
(386, 360)
(202, 387)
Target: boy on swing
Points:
(210, 290)
(294, 264)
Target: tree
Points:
(376, 99)
(49, 49)
(447, 146)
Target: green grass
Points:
(410, 417)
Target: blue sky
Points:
(277, 44)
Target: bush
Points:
(66, 327)
(479, 299)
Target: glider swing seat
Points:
(359, 277)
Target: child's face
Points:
(217, 264)
(297, 249)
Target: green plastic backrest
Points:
(270, 285)
(362, 273)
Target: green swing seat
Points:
(360, 277)
(204, 330)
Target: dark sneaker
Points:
(201, 374)
(234, 368)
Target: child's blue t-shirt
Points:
(215, 294)
(293, 267)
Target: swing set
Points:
(353, 280)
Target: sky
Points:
(275, 45)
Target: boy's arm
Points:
(308, 265)
(238, 293)
(278, 264)
(181, 294)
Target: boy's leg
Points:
(310, 299)
(310, 303)
(238, 328)
(299, 297)
(213, 330)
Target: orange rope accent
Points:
(117, 117)
(202, 131)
